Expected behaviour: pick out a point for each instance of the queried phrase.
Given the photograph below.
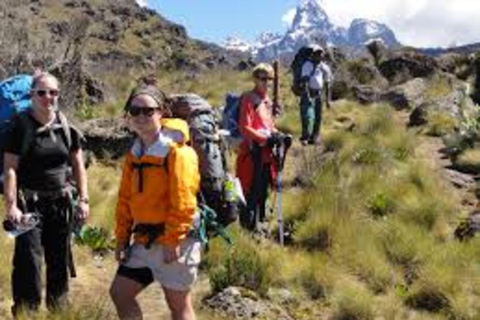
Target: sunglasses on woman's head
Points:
(146, 111)
(43, 93)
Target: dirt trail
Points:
(93, 281)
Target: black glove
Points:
(274, 139)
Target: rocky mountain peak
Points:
(311, 24)
(362, 31)
(310, 15)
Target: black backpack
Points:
(302, 55)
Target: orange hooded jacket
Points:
(169, 185)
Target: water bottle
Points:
(229, 190)
(28, 221)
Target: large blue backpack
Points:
(231, 115)
(14, 99)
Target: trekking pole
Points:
(276, 81)
(281, 155)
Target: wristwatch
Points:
(84, 200)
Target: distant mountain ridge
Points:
(311, 24)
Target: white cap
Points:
(316, 47)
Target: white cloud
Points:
(142, 3)
(287, 18)
(423, 23)
(415, 22)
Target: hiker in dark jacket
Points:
(255, 162)
(36, 162)
(316, 78)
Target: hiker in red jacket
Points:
(255, 162)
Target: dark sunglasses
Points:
(264, 79)
(51, 92)
(146, 111)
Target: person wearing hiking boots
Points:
(37, 155)
(255, 161)
(316, 78)
(156, 209)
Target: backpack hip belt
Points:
(28, 194)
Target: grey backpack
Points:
(204, 125)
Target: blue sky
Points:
(214, 20)
(415, 22)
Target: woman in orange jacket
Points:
(156, 209)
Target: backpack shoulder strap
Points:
(66, 128)
(28, 131)
(254, 97)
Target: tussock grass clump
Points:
(407, 246)
(440, 123)
(243, 265)
(317, 278)
(352, 302)
(469, 161)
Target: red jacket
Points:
(256, 123)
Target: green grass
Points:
(371, 221)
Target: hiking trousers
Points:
(311, 115)
(257, 196)
(49, 238)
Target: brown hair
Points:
(39, 75)
(148, 86)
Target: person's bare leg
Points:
(123, 292)
(180, 304)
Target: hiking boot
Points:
(303, 142)
(315, 141)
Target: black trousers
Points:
(50, 238)
(256, 198)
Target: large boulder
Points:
(107, 139)
(351, 78)
(407, 95)
(457, 64)
(405, 66)
(366, 94)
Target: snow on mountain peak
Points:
(311, 24)
(310, 14)
(233, 43)
(362, 31)
(266, 38)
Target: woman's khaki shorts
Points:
(145, 265)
